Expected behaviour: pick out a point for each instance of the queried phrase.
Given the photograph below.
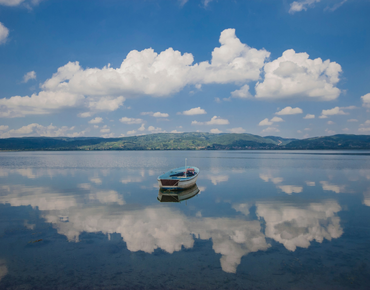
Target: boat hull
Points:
(171, 184)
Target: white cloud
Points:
(270, 130)
(4, 32)
(132, 132)
(364, 130)
(265, 122)
(29, 76)
(323, 117)
(4, 127)
(309, 116)
(35, 129)
(85, 114)
(242, 93)
(330, 123)
(310, 183)
(345, 129)
(366, 100)
(214, 121)
(105, 130)
(238, 130)
(141, 73)
(276, 119)
(335, 6)
(289, 111)
(215, 131)
(156, 114)
(329, 132)
(194, 111)
(11, 2)
(294, 75)
(96, 120)
(126, 120)
(298, 6)
(307, 129)
(152, 129)
(160, 115)
(289, 189)
(352, 120)
(142, 128)
(331, 112)
(175, 131)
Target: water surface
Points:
(262, 220)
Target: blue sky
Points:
(122, 68)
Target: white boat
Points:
(178, 178)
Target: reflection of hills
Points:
(177, 196)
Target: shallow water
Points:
(262, 220)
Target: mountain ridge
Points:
(186, 141)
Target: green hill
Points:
(186, 141)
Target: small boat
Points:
(178, 178)
(177, 196)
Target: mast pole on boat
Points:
(185, 166)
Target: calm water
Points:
(262, 220)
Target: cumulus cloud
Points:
(4, 32)
(297, 225)
(215, 131)
(194, 111)
(330, 123)
(141, 73)
(294, 75)
(366, 100)
(4, 127)
(332, 112)
(352, 120)
(35, 129)
(238, 130)
(277, 119)
(289, 111)
(156, 114)
(267, 122)
(270, 130)
(29, 76)
(242, 93)
(96, 120)
(126, 120)
(214, 121)
(298, 6)
(309, 116)
(152, 129)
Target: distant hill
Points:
(341, 141)
(186, 141)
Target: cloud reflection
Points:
(297, 226)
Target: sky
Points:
(295, 69)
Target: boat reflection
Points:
(177, 196)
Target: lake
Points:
(261, 220)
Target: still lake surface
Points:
(262, 220)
